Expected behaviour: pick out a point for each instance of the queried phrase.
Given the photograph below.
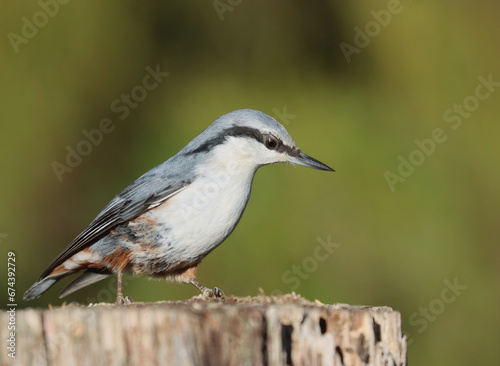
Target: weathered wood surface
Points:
(283, 330)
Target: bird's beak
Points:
(302, 159)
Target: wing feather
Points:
(141, 196)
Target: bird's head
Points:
(250, 138)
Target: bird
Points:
(169, 219)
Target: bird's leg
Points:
(215, 293)
(120, 300)
(119, 295)
(188, 275)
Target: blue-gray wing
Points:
(145, 193)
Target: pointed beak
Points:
(302, 159)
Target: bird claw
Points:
(214, 294)
(120, 300)
(218, 293)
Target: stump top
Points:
(202, 304)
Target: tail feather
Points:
(86, 278)
(78, 262)
(39, 287)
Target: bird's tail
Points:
(88, 277)
(80, 261)
(42, 285)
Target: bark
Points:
(263, 330)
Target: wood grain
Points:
(262, 330)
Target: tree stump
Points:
(262, 330)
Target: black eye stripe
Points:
(220, 138)
(241, 131)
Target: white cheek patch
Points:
(242, 148)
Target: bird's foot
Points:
(216, 293)
(120, 300)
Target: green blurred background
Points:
(397, 247)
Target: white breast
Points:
(202, 215)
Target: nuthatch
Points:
(172, 217)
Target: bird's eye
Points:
(271, 143)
